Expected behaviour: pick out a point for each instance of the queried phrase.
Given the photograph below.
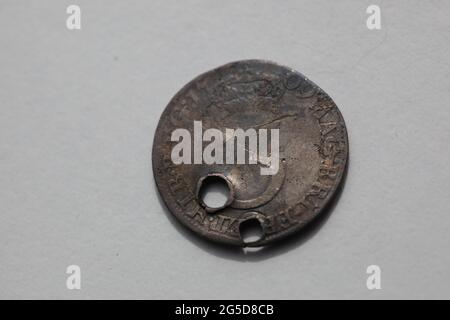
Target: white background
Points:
(78, 110)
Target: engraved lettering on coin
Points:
(256, 97)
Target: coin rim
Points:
(179, 214)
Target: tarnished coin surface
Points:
(275, 138)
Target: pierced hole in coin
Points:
(251, 230)
(214, 192)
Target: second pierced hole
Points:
(214, 192)
(251, 230)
